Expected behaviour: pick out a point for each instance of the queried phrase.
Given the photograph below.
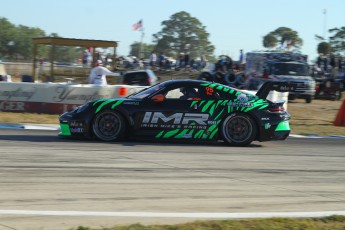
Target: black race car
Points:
(183, 109)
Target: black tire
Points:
(238, 130)
(109, 125)
(308, 99)
(230, 79)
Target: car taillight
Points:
(276, 109)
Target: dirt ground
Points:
(315, 118)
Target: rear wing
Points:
(279, 86)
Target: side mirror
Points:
(158, 98)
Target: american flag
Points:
(138, 25)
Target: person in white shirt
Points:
(98, 74)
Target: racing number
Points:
(209, 91)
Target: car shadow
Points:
(134, 142)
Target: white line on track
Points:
(174, 214)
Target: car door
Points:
(172, 118)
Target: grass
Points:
(331, 223)
(316, 118)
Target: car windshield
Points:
(294, 69)
(147, 91)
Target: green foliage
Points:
(16, 44)
(324, 48)
(144, 52)
(270, 41)
(16, 41)
(183, 33)
(284, 38)
(337, 41)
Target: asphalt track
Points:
(52, 183)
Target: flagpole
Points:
(141, 44)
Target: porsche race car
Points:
(163, 112)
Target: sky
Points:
(232, 25)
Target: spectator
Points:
(242, 59)
(6, 78)
(98, 74)
(186, 60)
(86, 57)
(153, 59)
(161, 61)
(334, 65)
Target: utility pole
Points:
(141, 44)
(324, 23)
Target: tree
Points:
(324, 48)
(282, 38)
(23, 40)
(183, 33)
(7, 32)
(337, 41)
(270, 41)
(146, 49)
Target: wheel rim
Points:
(238, 129)
(107, 126)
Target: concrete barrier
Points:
(55, 98)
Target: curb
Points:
(29, 126)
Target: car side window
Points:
(173, 94)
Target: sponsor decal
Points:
(18, 94)
(265, 118)
(76, 130)
(65, 94)
(12, 106)
(267, 125)
(240, 104)
(175, 120)
(242, 98)
(76, 124)
(76, 127)
(131, 103)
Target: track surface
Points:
(40, 172)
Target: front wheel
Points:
(238, 130)
(109, 126)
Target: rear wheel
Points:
(109, 126)
(238, 130)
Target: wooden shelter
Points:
(55, 41)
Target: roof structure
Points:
(56, 41)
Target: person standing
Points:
(98, 74)
(153, 59)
